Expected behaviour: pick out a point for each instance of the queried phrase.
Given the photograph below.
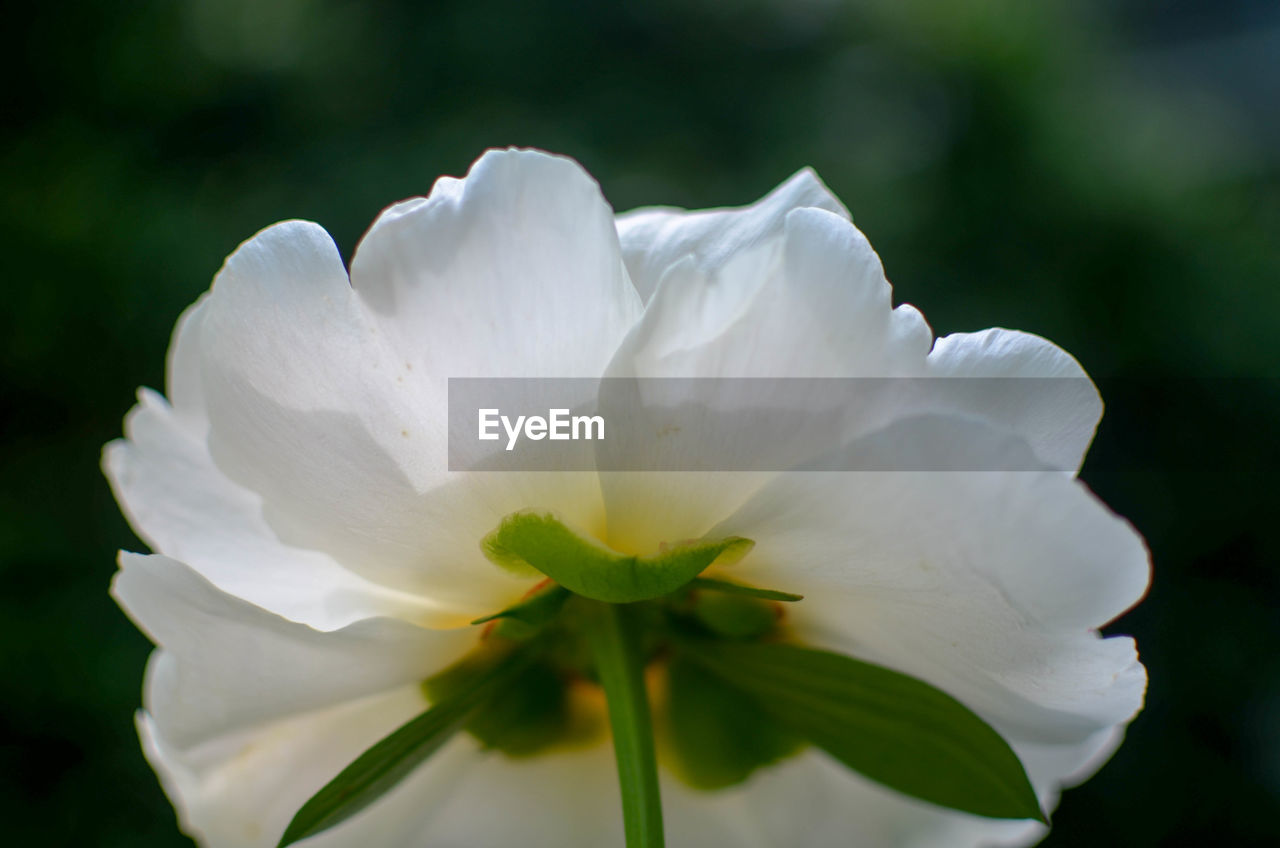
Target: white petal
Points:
(183, 381)
(811, 302)
(562, 799)
(811, 800)
(242, 790)
(226, 665)
(235, 793)
(987, 584)
(314, 408)
(184, 507)
(655, 238)
(1057, 412)
(514, 271)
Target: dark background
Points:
(1106, 174)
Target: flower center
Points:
(707, 732)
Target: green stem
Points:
(621, 673)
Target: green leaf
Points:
(611, 635)
(393, 758)
(892, 728)
(535, 610)
(711, 584)
(717, 734)
(593, 570)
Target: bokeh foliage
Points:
(1103, 173)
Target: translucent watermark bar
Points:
(758, 424)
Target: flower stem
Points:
(621, 673)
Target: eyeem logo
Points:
(558, 426)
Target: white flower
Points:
(316, 560)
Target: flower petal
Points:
(241, 790)
(1058, 418)
(314, 408)
(226, 665)
(561, 798)
(182, 505)
(514, 271)
(655, 238)
(183, 381)
(988, 585)
(811, 302)
(810, 799)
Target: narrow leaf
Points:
(610, 633)
(890, 727)
(392, 759)
(711, 584)
(594, 570)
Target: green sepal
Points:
(717, 734)
(589, 568)
(890, 727)
(536, 610)
(392, 759)
(711, 584)
(734, 616)
(531, 714)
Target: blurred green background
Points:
(1106, 174)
